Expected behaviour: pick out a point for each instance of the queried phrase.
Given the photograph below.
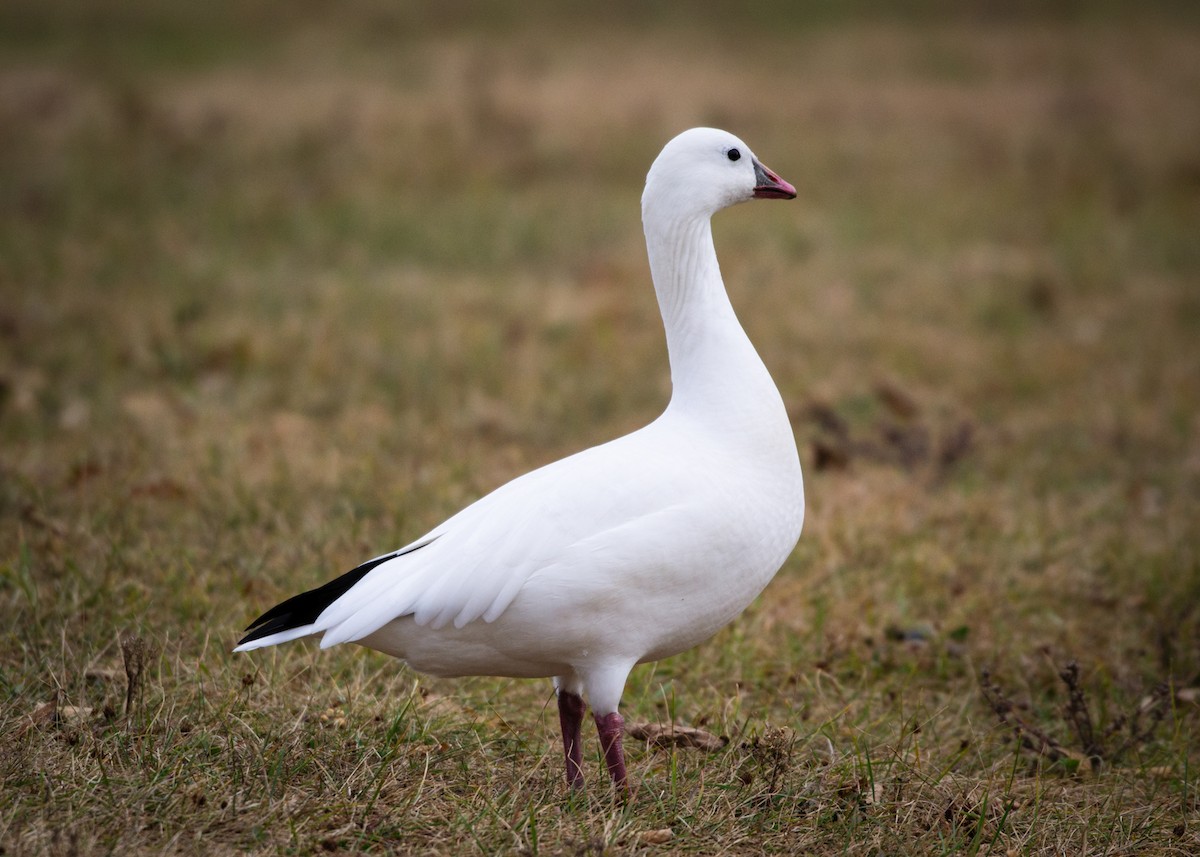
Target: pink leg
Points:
(611, 728)
(570, 717)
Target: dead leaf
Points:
(824, 416)
(74, 713)
(908, 443)
(656, 837)
(896, 400)
(873, 793)
(42, 716)
(829, 456)
(52, 714)
(657, 735)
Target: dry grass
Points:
(275, 296)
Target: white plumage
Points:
(626, 552)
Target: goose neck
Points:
(687, 278)
(712, 361)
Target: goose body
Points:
(628, 552)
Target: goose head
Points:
(704, 170)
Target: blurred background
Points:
(284, 284)
(314, 210)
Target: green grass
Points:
(281, 289)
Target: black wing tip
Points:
(303, 609)
(265, 626)
(262, 631)
(281, 611)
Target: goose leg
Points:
(570, 717)
(612, 728)
(604, 684)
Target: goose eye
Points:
(734, 154)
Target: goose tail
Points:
(297, 617)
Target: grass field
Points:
(281, 287)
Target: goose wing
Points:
(474, 564)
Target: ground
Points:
(282, 286)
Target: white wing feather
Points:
(479, 559)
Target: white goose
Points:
(624, 553)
